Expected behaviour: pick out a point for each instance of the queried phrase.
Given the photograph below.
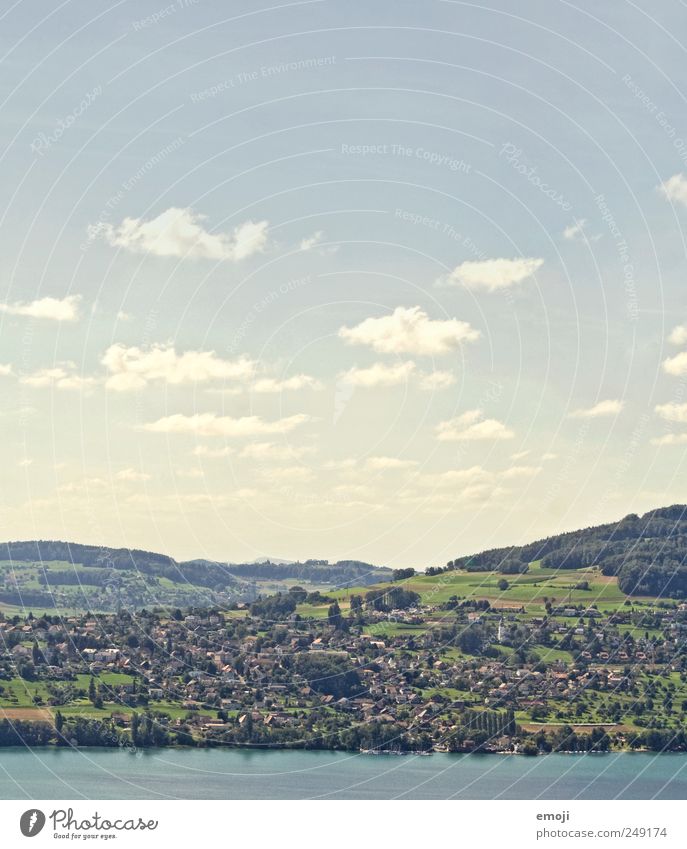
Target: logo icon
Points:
(32, 822)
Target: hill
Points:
(49, 574)
(647, 554)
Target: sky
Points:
(385, 281)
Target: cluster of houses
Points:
(210, 669)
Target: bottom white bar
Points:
(342, 825)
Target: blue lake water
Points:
(254, 774)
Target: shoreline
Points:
(133, 750)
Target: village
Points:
(456, 675)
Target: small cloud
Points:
(491, 274)
(472, 426)
(675, 189)
(672, 412)
(410, 331)
(27, 461)
(54, 309)
(340, 465)
(678, 335)
(519, 455)
(379, 374)
(670, 439)
(676, 365)
(549, 456)
(437, 380)
(210, 424)
(204, 451)
(123, 316)
(179, 232)
(459, 477)
(132, 368)
(298, 381)
(132, 475)
(603, 408)
(273, 451)
(387, 464)
(5, 370)
(309, 242)
(290, 474)
(575, 230)
(60, 376)
(520, 472)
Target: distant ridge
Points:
(74, 575)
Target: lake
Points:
(253, 774)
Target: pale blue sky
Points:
(353, 374)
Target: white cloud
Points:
(379, 374)
(678, 335)
(472, 426)
(410, 331)
(55, 309)
(298, 381)
(672, 412)
(491, 274)
(575, 230)
(204, 451)
(290, 474)
(273, 451)
(209, 424)
(132, 475)
(520, 472)
(60, 376)
(134, 368)
(676, 365)
(670, 439)
(519, 455)
(437, 380)
(180, 233)
(603, 408)
(675, 188)
(549, 456)
(309, 242)
(5, 370)
(388, 464)
(459, 477)
(123, 316)
(341, 465)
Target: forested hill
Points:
(202, 573)
(344, 573)
(647, 553)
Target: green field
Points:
(531, 590)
